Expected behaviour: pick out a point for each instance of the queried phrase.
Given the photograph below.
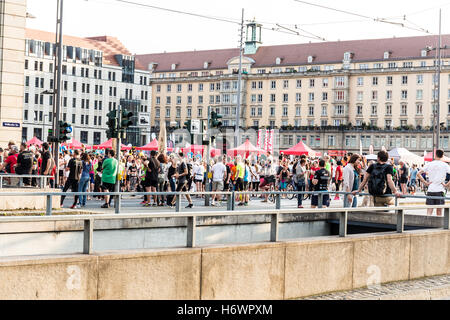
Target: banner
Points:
(259, 140)
(266, 140)
(270, 143)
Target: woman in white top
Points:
(198, 171)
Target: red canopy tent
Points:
(301, 149)
(75, 144)
(245, 150)
(194, 148)
(108, 145)
(153, 145)
(429, 157)
(35, 141)
(215, 152)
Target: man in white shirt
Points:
(218, 176)
(436, 171)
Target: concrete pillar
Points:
(12, 51)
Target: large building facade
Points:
(12, 31)
(333, 96)
(98, 74)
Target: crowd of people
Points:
(98, 171)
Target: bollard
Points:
(446, 219)
(233, 202)
(320, 200)
(278, 201)
(48, 211)
(229, 202)
(88, 236)
(343, 216)
(117, 204)
(274, 227)
(396, 201)
(178, 203)
(400, 221)
(191, 231)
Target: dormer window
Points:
(424, 53)
(152, 66)
(278, 60)
(206, 64)
(387, 55)
(174, 66)
(310, 59)
(348, 56)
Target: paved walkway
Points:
(433, 288)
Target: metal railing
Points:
(231, 197)
(192, 217)
(17, 180)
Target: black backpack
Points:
(377, 180)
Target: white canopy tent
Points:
(407, 156)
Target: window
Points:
(324, 111)
(189, 99)
(340, 81)
(259, 111)
(311, 83)
(419, 109)
(389, 95)
(311, 110)
(260, 98)
(285, 84)
(167, 112)
(298, 97)
(374, 109)
(404, 94)
(253, 98)
(299, 83)
(200, 87)
(359, 109)
(200, 112)
(404, 79)
(158, 88)
(179, 86)
(387, 123)
(404, 109)
(360, 81)
(325, 82)
(285, 111)
(360, 96)
(211, 87)
(297, 111)
(338, 110)
(324, 96)
(169, 88)
(273, 84)
(200, 99)
(389, 80)
(419, 94)
(168, 100)
(311, 96)
(340, 95)
(260, 84)
(375, 81)
(272, 111)
(388, 109)
(285, 97)
(374, 95)
(272, 97)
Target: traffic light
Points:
(64, 130)
(125, 121)
(187, 125)
(50, 136)
(215, 123)
(112, 124)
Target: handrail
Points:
(43, 178)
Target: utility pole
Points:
(118, 145)
(57, 83)
(208, 150)
(238, 109)
(437, 91)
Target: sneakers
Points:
(300, 207)
(189, 206)
(143, 202)
(105, 206)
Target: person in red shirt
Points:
(10, 163)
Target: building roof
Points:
(297, 54)
(110, 46)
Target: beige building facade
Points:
(12, 47)
(332, 96)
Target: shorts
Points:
(403, 180)
(283, 185)
(412, 183)
(108, 186)
(383, 201)
(151, 183)
(217, 185)
(245, 185)
(91, 176)
(239, 185)
(325, 200)
(61, 173)
(434, 202)
(198, 180)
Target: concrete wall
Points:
(29, 202)
(282, 270)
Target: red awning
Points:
(153, 145)
(35, 141)
(337, 153)
(245, 150)
(108, 145)
(75, 144)
(300, 149)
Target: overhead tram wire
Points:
(383, 20)
(228, 20)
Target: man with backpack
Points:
(436, 171)
(379, 176)
(24, 162)
(320, 182)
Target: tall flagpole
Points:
(238, 109)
